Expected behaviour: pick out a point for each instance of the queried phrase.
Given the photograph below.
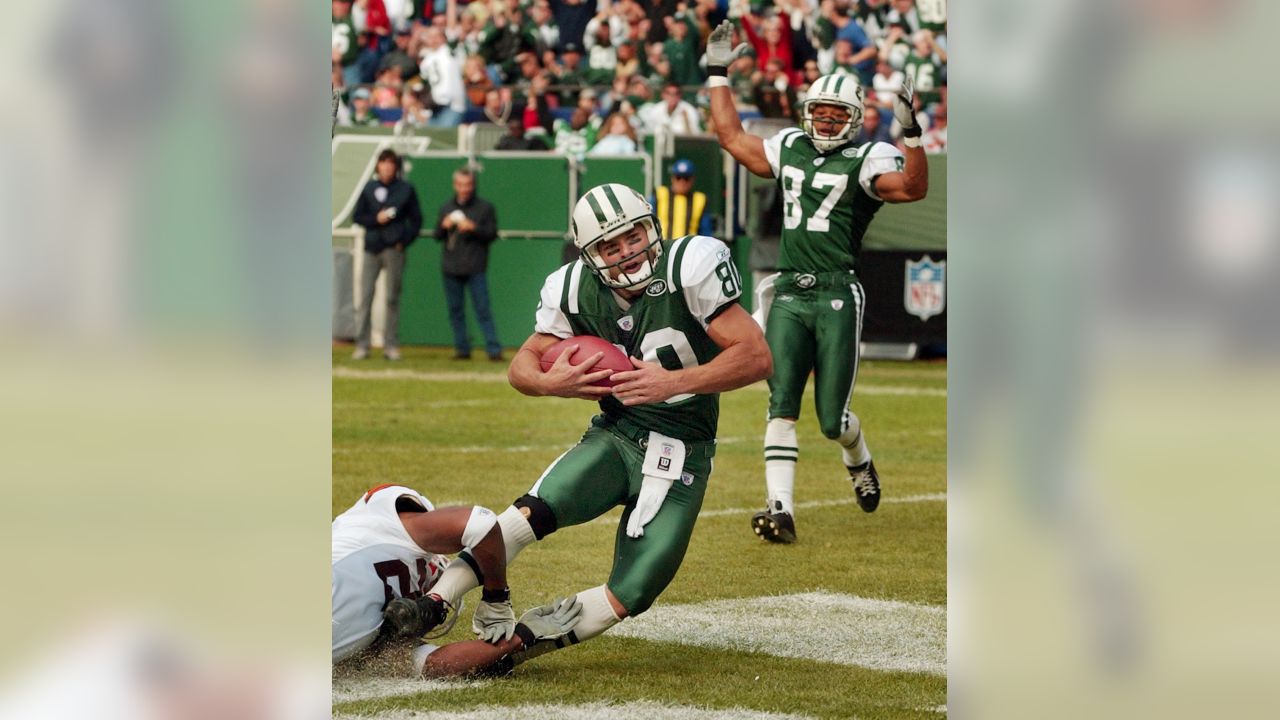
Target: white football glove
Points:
(904, 108)
(494, 620)
(720, 50)
(548, 622)
(652, 492)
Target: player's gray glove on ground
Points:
(720, 50)
(494, 619)
(548, 622)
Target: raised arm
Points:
(745, 148)
(913, 182)
(445, 530)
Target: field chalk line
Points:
(347, 373)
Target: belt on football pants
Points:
(640, 436)
(797, 281)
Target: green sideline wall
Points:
(532, 199)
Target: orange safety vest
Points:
(678, 216)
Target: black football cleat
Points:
(866, 485)
(776, 527)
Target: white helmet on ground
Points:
(605, 212)
(840, 90)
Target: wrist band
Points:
(496, 596)
(717, 81)
(526, 635)
(717, 71)
(911, 141)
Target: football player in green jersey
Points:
(672, 306)
(831, 190)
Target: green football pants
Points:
(816, 329)
(602, 472)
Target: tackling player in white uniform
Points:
(386, 557)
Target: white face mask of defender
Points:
(613, 211)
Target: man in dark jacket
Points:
(389, 213)
(467, 225)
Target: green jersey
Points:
(693, 282)
(926, 74)
(933, 15)
(828, 199)
(346, 44)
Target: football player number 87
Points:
(793, 186)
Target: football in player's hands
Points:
(614, 359)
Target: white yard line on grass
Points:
(437, 376)
(881, 635)
(353, 689)
(484, 449)
(401, 374)
(588, 711)
(904, 500)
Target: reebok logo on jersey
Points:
(686, 478)
(817, 162)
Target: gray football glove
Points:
(904, 108)
(494, 619)
(548, 622)
(720, 50)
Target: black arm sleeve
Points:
(487, 226)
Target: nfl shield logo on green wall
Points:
(926, 287)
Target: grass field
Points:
(849, 622)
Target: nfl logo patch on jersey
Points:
(837, 304)
(926, 287)
(626, 322)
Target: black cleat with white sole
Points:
(776, 527)
(866, 485)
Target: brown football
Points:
(614, 359)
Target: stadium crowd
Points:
(565, 74)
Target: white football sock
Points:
(855, 450)
(458, 579)
(780, 453)
(597, 613)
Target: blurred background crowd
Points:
(584, 76)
